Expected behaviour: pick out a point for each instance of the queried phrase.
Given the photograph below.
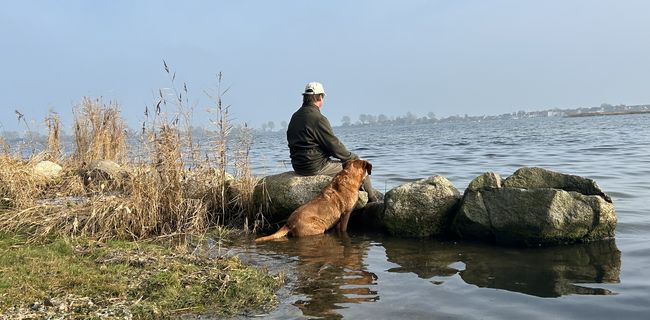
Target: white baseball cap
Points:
(314, 88)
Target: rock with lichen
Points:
(421, 208)
(534, 207)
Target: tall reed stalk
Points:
(220, 145)
(99, 131)
(53, 136)
(244, 181)
(5, 149)
(21, 117)
(156, 196)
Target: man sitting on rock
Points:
(312, 142)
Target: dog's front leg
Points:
(343, 222)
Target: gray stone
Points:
(204, 183)
(104, 175)
(488, 180)
(541, 214)
(279, 195)
(369, 218)
(534, 177)
(48, 170)
(421, 208)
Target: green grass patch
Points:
(81, 278)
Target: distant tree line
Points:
(410, 118)
(270, 126)
(382, 119)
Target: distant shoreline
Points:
(615, 113)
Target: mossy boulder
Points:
(420, 209)
(279, 195)
(535, 207)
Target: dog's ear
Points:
(368, 166)
(347, 164)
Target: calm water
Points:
(364, 276)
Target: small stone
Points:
(36, 306)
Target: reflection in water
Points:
(542, 272)
(330, 272)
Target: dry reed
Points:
(53, 136)
(220, 146)
(99, 132)
(244, 182)
(30, 133)
(166, 189)
(5, 149)
(19, 185)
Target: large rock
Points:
(104, 175)
(368, 218)
(420, 209)
(203, 183)
(48, 170)
(531, 210)
(488, 180)
(279, 195)
(533, 178)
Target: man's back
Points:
(311, 141)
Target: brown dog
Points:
(333, 204)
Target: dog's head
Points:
(361, 165)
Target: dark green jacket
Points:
(312, 142)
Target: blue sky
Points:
(390, 57)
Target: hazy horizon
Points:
(373, 57)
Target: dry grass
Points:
(245, 182)
(29, 132)
(99, 132)
(5, 149)
(19, 185)
(165, 188)
(53, 136)
(69, 184)
(220, 147)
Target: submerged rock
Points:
(279, 195)
(535, 207)
(421, 208)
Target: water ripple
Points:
(399, 278)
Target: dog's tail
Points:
(277, 235)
